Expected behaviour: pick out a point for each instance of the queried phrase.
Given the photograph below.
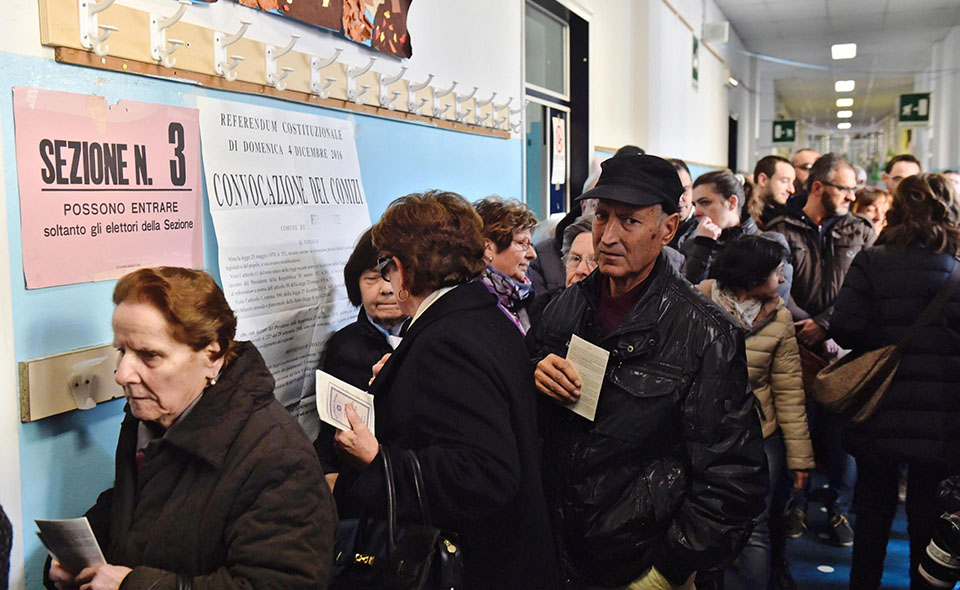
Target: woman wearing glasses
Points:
(456, 392)
(508, 252)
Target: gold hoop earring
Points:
(402, 299)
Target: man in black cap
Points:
(666, 479)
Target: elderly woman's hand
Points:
(102, 577)
(358, 446)
(61, 578)
(377, 366)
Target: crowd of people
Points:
(716, 301)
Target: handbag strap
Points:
(933, 308)
(419, 486)
(391, 498)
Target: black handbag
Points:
(380, 554)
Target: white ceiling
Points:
(893, 37)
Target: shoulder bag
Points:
(380, 554)
(854, 386)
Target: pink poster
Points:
(105, 189)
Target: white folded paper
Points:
(590, 361)
(333, 396)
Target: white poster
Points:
(559, 174)
(288, 205)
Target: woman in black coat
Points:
(458, 391)
(918, 420)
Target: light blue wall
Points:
(67, 460)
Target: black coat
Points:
(350, 355)
(885, 291)
(459, 392)
(672, 471)
(231, 497)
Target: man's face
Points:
(802, 162)
(627, 239)
(686, 198)
(779, 187)
(898, 172)
(840, 192)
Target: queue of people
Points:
(695, 468)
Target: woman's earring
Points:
(489, 258)
(211, 381)
(405, 297)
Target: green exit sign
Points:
(784, 131)
(914, 108)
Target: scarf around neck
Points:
(510, 294)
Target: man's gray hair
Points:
(825, 169)
(584, 223)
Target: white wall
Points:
(944, 83)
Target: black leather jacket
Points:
(672, 472)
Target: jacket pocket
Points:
(644, 405)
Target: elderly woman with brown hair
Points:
(918, 420)
(873, 203)
(508, 251)
(216, 485)
(457, 393)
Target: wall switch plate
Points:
(69, 381)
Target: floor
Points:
(817, 565)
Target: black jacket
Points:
(672, 471)
(919, 417)
(350, 355)
(459, 392)
(232, 496)
(685, 231)
(819, 266)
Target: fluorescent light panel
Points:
(844, 102)
(843, 126)
(844, 85)
(844, 51)
(844, 114)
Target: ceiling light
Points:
(843, 126)
(844, 102)
(844, 51)
(733, 81)
(844, 114)
(844, 85)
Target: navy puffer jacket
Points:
(884, 292)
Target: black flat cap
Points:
(639, 180)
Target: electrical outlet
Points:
(63, 382)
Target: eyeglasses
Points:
(845, 189)
(574, 260)
(382, 263)
(523, 245)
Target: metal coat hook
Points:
(412, 91)
(158, 35)
(504, 105)
(92, 34)
(462, 98)
(481, 120)
(316, 66)
(439, 114)
(461, 117)
(387, 102)
(459, 99)
(438, 95)
(385, 82)
(516, 111)
(358, 96)
(416, 107)
(498, 123)
(483, 103)
(220, 43)
(273, 53)
(352, 75)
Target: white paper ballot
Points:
(71, 542)
(333, 395)
(590, 361)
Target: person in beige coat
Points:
(745, 277)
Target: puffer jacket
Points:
(230, 498)
(818, 272)
(773, 363)
(672, 471)
(918, 419)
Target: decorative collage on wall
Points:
(379, 24)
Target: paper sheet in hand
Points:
(333, 395)
(71, 542)
(590, 361)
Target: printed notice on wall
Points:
(105, 189)
(288, 205)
